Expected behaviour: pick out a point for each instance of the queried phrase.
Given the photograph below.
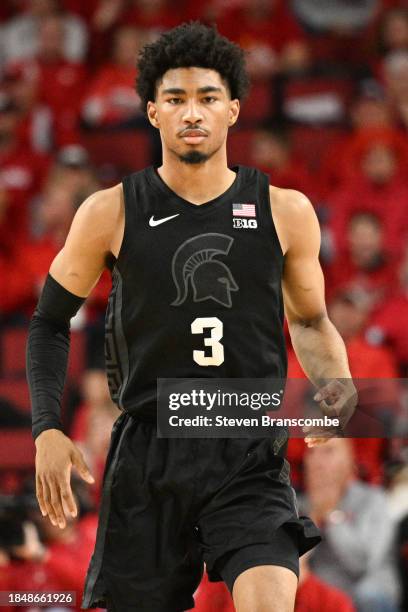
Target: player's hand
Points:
(337, 399)
(56, 454)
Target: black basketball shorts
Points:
(170, 505)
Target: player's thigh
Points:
(265, 588)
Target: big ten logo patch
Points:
(244, 223)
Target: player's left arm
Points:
(316, 342)
(318, 345)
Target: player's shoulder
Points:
(103, 202)
(290, 202)
(101, 215)
(102, 209)
(294, 217)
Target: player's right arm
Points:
(93, 236)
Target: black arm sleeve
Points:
(47, 353)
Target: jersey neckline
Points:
(156, 181)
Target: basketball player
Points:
(199, 253)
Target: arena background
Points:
(327, 115)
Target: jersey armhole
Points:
(266, 197)
(129, 196)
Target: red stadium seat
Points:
(76, 361)
(240, 147)
(128, 150)
(16, 449)
(16, 392)
(259, 104)
(317, 100)
(12, 351)
(313, 143)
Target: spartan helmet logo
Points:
(210, 279)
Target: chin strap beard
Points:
(194, 157)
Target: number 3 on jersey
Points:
(217, 349)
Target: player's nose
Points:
(192, 112)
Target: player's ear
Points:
(152, 114)
(233, 112)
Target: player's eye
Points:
(174, 101)
(209, 99)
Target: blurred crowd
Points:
(327, 115)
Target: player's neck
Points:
(197, 183)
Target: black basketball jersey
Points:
(196, 289)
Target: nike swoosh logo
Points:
(153, 222)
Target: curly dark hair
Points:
(188, 45)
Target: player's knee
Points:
(265, 589)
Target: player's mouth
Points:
(193, 136)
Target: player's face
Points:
(193, 111)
